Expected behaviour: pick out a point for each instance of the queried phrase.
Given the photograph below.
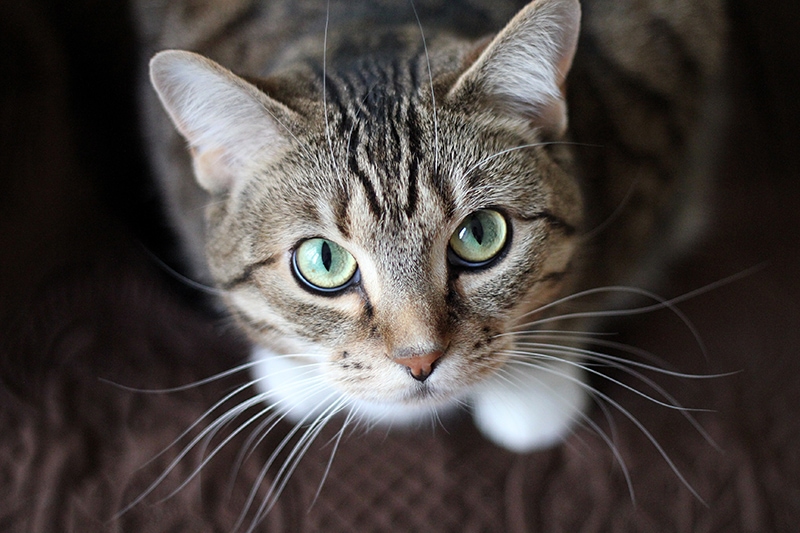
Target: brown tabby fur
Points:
(384, 141)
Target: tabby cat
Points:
(413, 207)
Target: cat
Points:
(414, 207)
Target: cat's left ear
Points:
(521, 72)
(229, 123)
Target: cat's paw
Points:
(528, 408)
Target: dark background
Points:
(81, 301)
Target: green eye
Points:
(323, 265)
(478, 239)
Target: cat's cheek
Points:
(526, 408)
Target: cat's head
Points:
(394, 226)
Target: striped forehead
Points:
(382, 126)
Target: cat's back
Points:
(259, 37)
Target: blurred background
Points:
(80, 298)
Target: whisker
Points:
(336, 441)
(208, 289)
(214, 426)
(325, 90)
(205, 381)
(173, 464)
(620, 362)
(305, 386)
(253, 442)
(295, 455)
(256, 436)
(586, 420)
(591, 234)
(637, 423)
(591, 370)
(631, 311)
(273, 456)
(514, 149)
(433, 94)
(662, 303)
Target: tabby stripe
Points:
(677, 47)
(553, 221)
(247, 273)
(346, 126)
(612, 138)
(341, 208)
(444, 190)
(553, 277)
(415, 147)
(233, 26)
(363, 178)
(259, 326)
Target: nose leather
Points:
(420, 366)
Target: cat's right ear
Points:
(230, 125)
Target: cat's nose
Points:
(420, 366)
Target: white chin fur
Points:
(299, 390)
(529, 408)
(525, 410)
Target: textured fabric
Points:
(91, 323)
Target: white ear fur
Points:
(522, 70)
(229, 123)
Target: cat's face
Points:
(371, 254)
(398, 240)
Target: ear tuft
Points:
(229, 124)
(521, 72)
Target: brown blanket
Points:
(93, 329)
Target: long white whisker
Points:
(636, 422)
(213, 427)
(662, 304)
(586, 368)
(181, 388)
(337, 440)
(273, 456)
(433, 94)
(514, 149)
(255, 439)
(506, 374)
(295, 455)
(258, 434)
(499, 154)
(621, 364)
(208, 289)
(174, 463)
(325, 90)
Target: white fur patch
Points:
(528, 408)
(300, 389)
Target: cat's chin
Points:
(300, 391)
(525, 409)
(529, 408)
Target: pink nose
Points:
(420, 366)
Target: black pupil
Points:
(326, 256)
(477, 230)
